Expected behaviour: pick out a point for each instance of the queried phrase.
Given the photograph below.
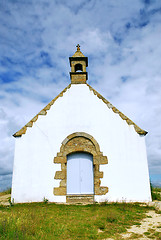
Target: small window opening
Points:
(78, 68)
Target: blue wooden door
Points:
(80, 173)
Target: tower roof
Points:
(78, 56)
(78, 53)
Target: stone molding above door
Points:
(80, 142)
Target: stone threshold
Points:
(80, 198)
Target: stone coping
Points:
(109, 105)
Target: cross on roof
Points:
(78, 47)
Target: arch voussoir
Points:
(80, 142)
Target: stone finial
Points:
(78, 47)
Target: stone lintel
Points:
(84, 199)
(80, 58)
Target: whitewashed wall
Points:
(79, 110)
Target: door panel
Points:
(80, 173)
(73, 175)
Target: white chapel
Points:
(80, 149)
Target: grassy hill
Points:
(59, 221)
(54, 221)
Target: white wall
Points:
(79, 110)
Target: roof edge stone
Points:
(115, 110)
(42, 112)
(109, 105)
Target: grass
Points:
(54, 221)
(153, 234)
(156, 193)
(8, 191)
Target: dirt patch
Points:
(149, 228)
(4, 199)
(156, 204)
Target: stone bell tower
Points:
(78, 63)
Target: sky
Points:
(122, 42)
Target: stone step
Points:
(84, 199)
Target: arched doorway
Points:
(75, 143)
(80, 178)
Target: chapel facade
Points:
(80, 149)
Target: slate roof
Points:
(109, 105)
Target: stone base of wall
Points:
(84, 199)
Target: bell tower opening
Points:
(78, 63)
(78, 68)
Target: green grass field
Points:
(8, 191)
(54, 221)
(59, 221)
(156, 193)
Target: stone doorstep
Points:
(84, 199)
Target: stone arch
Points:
(80, 142)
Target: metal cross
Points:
(78, 47)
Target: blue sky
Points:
(122, 42)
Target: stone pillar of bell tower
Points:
(78, 63)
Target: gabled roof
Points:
(109, 105)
